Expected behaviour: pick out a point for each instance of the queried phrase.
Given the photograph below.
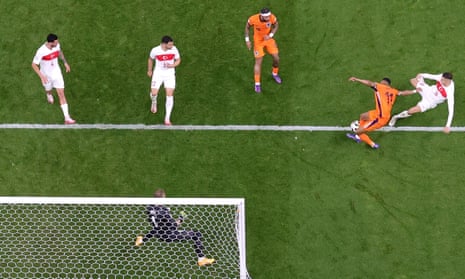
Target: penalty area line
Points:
(215, 127)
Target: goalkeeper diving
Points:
(166, 228)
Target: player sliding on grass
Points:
(265, 25)
(431, 96)
(385, 96)
(166, 228)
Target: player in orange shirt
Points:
(385, 97)
(265, 25)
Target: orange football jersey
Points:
(385, 96)
(260, 28)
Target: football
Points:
(354, 125)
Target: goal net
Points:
(64, 237)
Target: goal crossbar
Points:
(118, 200)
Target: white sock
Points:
(169, 107)
(64, 108)
(403, 114)
(154, 98)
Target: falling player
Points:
(166, 228)
(385, 96)
(265, 25)
(167, 58)
(45, 64)
(431, 96)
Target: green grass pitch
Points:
(318, 205)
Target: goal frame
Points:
(239, 202)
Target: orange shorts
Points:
(260, 46)
(375, 122)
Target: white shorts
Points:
(429, 97)
(167, 81)
(54, 82)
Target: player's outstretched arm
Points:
(407, 92)
(366, 82)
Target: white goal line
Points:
(216, 127)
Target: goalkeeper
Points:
(166, 228)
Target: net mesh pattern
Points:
(97, 241)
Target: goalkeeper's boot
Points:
(277, 78)
(139, 240)
(205, 261)
(354, 137)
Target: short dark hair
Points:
(447, 75)
(265, 11)
(51, 37)
(166, 39)
(388, 80)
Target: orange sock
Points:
(257, 78)
(366, 139)
(275, 70)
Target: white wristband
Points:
(271, 35)
(247, 39)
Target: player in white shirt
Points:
(431, 96)
(45, 64)
(167, 58)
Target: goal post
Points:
(94, 237)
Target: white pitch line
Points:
(214, 127)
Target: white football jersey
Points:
(162, 58)
(47, 59)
